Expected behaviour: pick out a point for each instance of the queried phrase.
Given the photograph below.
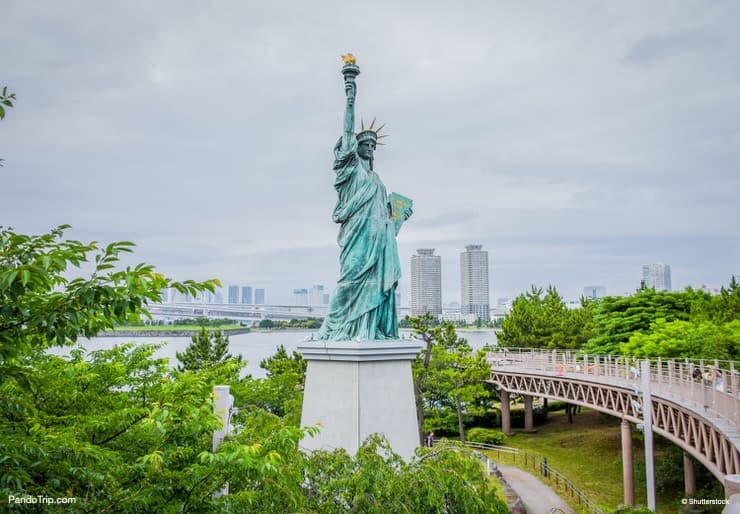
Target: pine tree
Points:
(205, 350)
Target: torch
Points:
(350, 70)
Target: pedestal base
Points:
(356, 389)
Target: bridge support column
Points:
(505, 413)
(689, 480)
(627, 466)
(528, 414)
(732, 485)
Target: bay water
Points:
(253, 346)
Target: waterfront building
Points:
(317, 297)
(259, 296)
(474, 287)
(233, 294)
(247, 295)
(594, 292)
(426, 283)
(657, 276)
(300, 297)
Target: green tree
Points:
(206, 349)
(446, 478)
(721, 308)
(281, 362)
(541, 320)
(578, 327)
(430, 331)
(281, 391)
(6, 100)
(686, 339)
(40, 306)
(120, 431)
(524, 327)
(449, 378)
(616, 319)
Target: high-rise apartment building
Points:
(259, 296)
(300, 297)
(474, 293)
(247, 295)
(233, 294)
(426, 283)
(593, 292)
(316, 296)
(657, 276)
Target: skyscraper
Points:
(474, 283)
(233, 294)
(657, 276)
(300, 297)
(247, 295)
(594, 292)
(316, 295)
(259, 296)
(426, 283)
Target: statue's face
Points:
(366, 149)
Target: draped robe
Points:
(363, 306)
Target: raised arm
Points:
(350, 89)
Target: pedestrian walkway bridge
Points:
(701, 415)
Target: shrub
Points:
(539, 417)
(486, 436)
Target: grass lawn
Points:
(588, 452)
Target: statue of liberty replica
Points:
(358, 379)
(363, 306)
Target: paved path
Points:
(537, 497)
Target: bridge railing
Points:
(710, 386)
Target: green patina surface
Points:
(363, 306)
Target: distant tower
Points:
(474, 283)
(657, 276)
(426, 283)
(316, 295)
(300, 297)
(593, 292)
(259, 296)
(233, 294)
(247, 295)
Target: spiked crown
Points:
(371, 133)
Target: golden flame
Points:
(349, 59)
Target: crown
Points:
(371, 133)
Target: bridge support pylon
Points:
(628, 475)
(689, 480)
(505, 412)
(528, 414)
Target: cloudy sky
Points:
(575, 141)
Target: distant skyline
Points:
(575, 144)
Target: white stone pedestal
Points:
(355, 389)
